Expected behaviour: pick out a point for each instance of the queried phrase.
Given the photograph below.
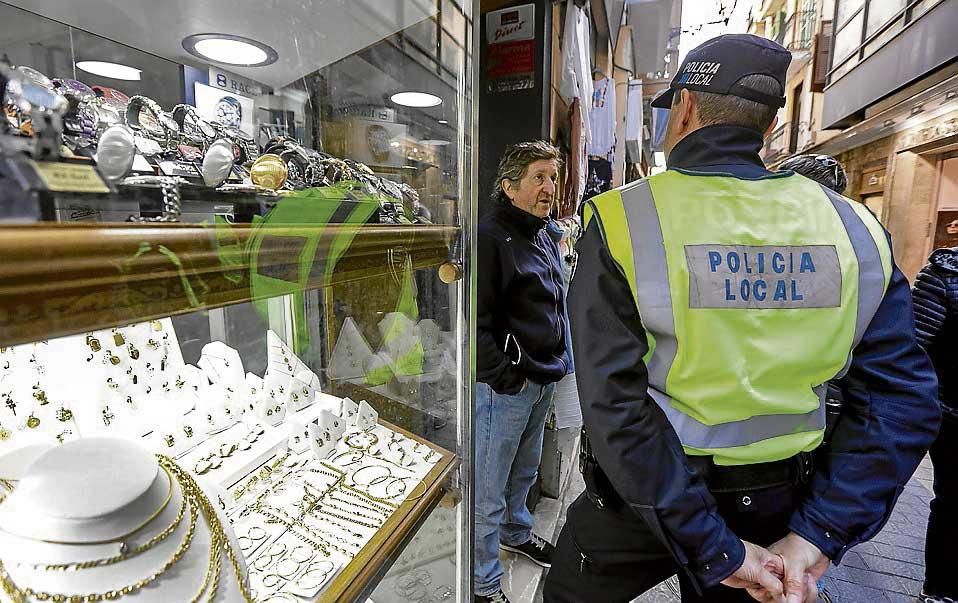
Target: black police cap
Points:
(718, 65)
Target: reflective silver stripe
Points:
(695, 434)
(871, 273)
(652, 278)
(655, 311)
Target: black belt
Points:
(736, 478)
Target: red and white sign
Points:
(510, 49)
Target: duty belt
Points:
(736, 478)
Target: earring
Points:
(4, 433)
(94, 343)
(114, 359)
(157, 325)
(107, 416)
(64, 414)
(188, 430)
(134, 353)
(11, 405)
(169, 440)
(33, 422)
(118, 338)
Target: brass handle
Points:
(450, 272)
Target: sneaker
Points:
(498, 597)
(536, 549)
(926, 598)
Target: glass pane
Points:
(453, 20)
(261, 280)
(879, 13)
(849, 38)
(846, 8)
(921, 8)
(424, 34)
(885, 36)
(451, 53)
(844, 68)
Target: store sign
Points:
(369, 112)
(231, 82)
(930, 134)
(511, 49)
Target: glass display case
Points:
(234, 300)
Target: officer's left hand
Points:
(804, 566)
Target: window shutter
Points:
(823, 50)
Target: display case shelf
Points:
(63, 279)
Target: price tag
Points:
(70, 177)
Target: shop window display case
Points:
(234, 300)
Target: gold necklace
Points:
(121, 539)
(217, 530)
(18, 594)
(149, 544)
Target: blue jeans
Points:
(509, 433)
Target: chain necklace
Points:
(149, 544)
(219, 544)
(216, 526)
(21, 595)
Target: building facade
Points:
(880, 93)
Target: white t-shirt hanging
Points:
(602, 118)
(575, 79)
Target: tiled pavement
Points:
(888, 569)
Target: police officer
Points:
(710, 306)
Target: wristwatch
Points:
(245, 148)
(193, 129)
(306, 167)
(146, 118)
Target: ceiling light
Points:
(443, 122)
(415, 99)
(230, 49)
(888, 123)
(111, 70)
(435, 142)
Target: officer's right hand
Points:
(758, 575)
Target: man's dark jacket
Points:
(888, 421)
(936, 318)
(521, 303)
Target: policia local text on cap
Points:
(702, 375)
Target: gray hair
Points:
(516, 160)
(731, 110)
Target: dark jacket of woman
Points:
(936, 321)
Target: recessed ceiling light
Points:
(230, 49)
(112, 70)
(435, 142)
(443, 122)
(416, 99)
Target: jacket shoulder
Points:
(945, 259)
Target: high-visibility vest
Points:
(753, 294)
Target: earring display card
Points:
(350, 354)
(222, 364)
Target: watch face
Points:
(75, 87)
(229, 112)
(112, 97)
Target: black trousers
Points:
(941, 558)
(610, 556)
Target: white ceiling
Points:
(307, 34)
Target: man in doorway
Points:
(521, 354)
